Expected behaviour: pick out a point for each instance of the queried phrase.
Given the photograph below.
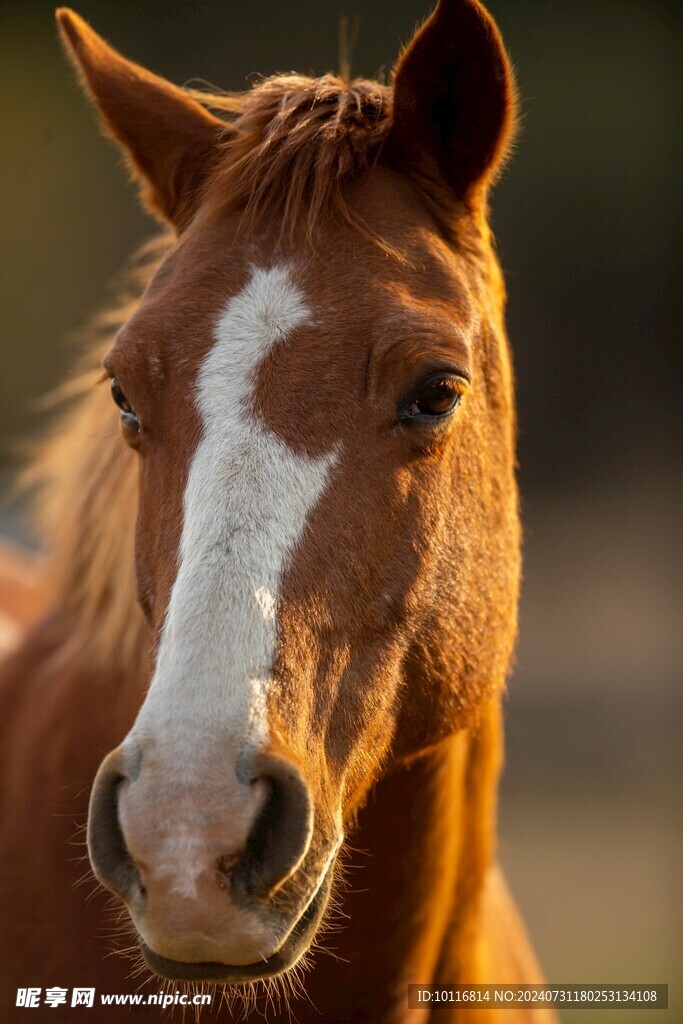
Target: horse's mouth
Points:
(295, 945)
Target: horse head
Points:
(317, 385)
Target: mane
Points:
(292, 144)
(84, 484)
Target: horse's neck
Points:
(415, 885)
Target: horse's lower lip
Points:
(295, 944)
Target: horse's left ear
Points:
(167, 137)
(454, 102)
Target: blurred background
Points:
(588, 221)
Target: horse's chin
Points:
(293, 948)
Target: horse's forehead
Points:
(359, 300)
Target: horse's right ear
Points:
(167, 137)
(454, 103)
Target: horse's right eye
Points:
(130, 423)
(120, 399)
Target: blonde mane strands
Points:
(291, 144)
(85, 483)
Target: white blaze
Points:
(245, 507)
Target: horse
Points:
(283, 562)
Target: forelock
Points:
(293, 142)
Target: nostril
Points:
(225, 867)
(109, 856)
(281, 834)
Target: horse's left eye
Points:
(432, 400)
